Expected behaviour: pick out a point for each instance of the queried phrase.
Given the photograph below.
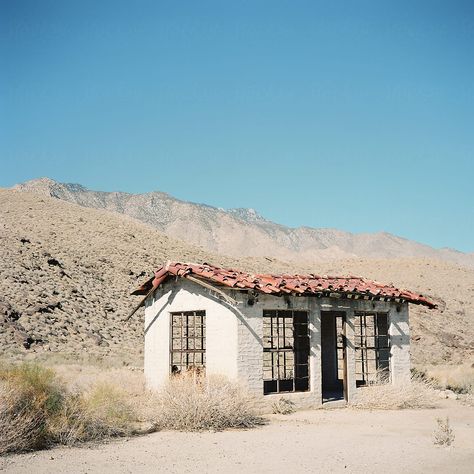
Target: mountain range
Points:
(242, 232)
(68, 270)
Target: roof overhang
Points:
(278, 285)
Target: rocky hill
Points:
(228, 232)
(67, 271)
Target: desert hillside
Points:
(227, 232)
(67, 272)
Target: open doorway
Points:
(333, 356)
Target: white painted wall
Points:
(221, 330)
(234, 335)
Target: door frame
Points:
(334, 315)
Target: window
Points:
(372, 348)
(188, 341)
(285, 351)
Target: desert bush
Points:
(36, 410)
(108, 412)
(283, 407)
(459, 379)
(414, 393)
(191, 402)
(20, 427)
(30, 395)
(443, 435)
(102, 413)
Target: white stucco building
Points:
(310, 338)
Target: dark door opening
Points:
(333, 356)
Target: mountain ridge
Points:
(230, 231)
(67, 273)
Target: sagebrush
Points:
(192, 402)
(30, 395)
(37, 410)
(416, 392)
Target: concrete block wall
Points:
(250, 347)
(399, 330)
(234, 336)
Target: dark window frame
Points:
(187, 341)
(372, 347)
(286, 349)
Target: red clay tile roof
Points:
(306, 285)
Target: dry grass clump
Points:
(443, 435)
(37, 410)
(414, 393)
(129, 383)
(191, 402)
(283, 406)
(101, 413)
(109, 412)
(459, 379)
(29, 396)
(20, 427)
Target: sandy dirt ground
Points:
(336, 440)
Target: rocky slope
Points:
(229, 232)
(66, 273)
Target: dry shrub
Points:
(443, 435)
(414, 393)
(283, 406)
(459, 379)
(81, 378)
(109, 413)
(125, 384)
(20, 427)
(36, 410)
(191, 402)
(101, 413)
(70, 425)
(30, 395)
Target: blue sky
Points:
(357, 115)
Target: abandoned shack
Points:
(312, 338)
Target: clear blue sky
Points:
(357, 115)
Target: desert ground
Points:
(325, 440)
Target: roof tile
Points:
(283, 284)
